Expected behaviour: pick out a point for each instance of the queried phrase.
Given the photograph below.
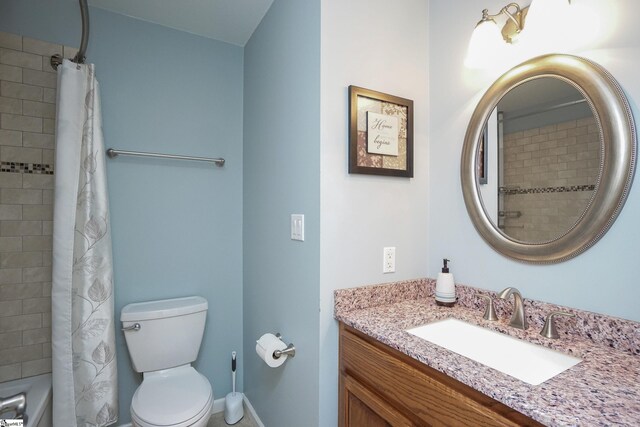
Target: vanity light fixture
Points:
(494, 34)
(487, 43)
(515, 16)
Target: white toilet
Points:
(163, 338)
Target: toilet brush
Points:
(233, 409)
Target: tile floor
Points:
(217, 420)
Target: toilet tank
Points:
(170, 332)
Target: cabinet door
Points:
(399, 390)
(363, 408)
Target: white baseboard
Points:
(252, 411)
(218, 406)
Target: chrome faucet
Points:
(16, 403)
(518, 319)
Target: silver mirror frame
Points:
(617, 158)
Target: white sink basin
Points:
(525, 361)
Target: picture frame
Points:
(483, 158)
(380, 133)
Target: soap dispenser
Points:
(445, 287)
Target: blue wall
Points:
(176, 227)
(184, 228)
(53, 21)
(281, 177)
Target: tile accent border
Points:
(563, 189)
(27, 162)
(36, 168)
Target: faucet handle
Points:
(549, 329)
(489, 311)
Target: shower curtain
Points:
(83, 335)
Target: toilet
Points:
(163, 338)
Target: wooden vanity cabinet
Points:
(380, 386)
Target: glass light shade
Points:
(593, 25)
(486, 45)
(548, 25)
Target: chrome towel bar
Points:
(113, 153)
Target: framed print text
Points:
(380, 133)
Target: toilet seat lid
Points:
(171, 396)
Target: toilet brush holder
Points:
(233, 408)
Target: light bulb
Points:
(486, 45)
(548, 26)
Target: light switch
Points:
(297, 227)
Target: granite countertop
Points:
(603, 389)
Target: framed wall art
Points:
(380, 133)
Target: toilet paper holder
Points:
(290, 350)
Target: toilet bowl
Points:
(177, 397)
(163, 338)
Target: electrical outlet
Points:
(389, 260)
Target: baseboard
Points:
(218, 406)
(252, 411)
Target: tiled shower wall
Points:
(550, 174)
(27, 123)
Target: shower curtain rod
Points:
(80, 56)
(547, 109)
(112, 153)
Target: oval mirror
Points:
(545, 161)
(548, 158)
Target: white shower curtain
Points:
(83, 335)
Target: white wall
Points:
(378, 45)
(603, 279)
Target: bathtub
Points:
(38, 391)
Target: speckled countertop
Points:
(603, 389)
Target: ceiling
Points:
(538, 93)
(231, 21)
